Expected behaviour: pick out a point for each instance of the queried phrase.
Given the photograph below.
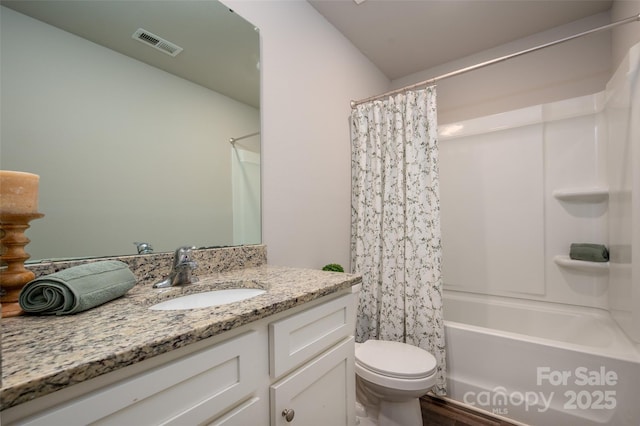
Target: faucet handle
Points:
(183, 269)
(182, 255)
(143, 248)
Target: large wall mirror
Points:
(133, 143)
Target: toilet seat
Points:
(395, 360)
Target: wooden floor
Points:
(438, 412)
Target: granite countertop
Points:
(42, 354)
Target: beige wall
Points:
(578, 67)
(310, 72)
(575, 68)
(627, 35)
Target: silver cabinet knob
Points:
(288, 414)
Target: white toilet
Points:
(390, 377)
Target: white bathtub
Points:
(540, 363)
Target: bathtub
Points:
(540, 363)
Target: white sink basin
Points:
(207, 299)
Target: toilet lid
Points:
(395, 359)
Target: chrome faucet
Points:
(143, 248)
(181, 270)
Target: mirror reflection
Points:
(133, 144)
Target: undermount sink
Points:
(207, 299)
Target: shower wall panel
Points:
(623, 117)
(492, 211)
(503, 226)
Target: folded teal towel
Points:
(589, 252)
(77, 289)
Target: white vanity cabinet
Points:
(300, 360)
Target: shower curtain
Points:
(395, 223)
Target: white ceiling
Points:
(400, 37)
(403, 37)
(221, 49)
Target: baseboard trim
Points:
(438, 410)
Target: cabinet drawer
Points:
(298, 338)
(194, 389)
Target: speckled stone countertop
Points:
(42, 354)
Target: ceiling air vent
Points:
(159, 43)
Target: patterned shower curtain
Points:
(395, 222)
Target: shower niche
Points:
(582, 196)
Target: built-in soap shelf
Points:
(582, 265)
(596, 194)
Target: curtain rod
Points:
(234, 140)
(433, 80)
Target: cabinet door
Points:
(322, 392)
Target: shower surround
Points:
(517, 188)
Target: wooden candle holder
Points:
(14, 276)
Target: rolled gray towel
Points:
(77, 289)
(589, 252)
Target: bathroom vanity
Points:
(284, 357)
